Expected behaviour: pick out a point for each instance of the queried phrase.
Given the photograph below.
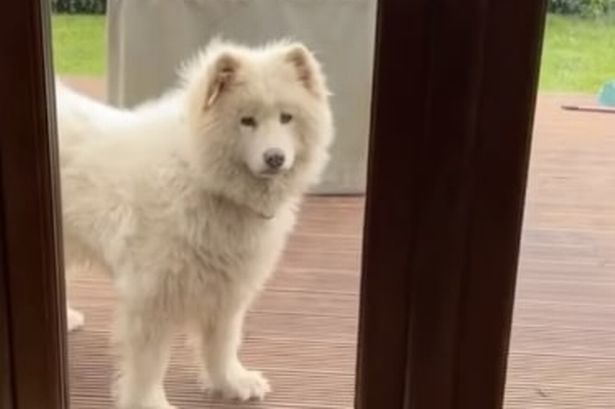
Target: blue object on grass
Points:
(606, 96)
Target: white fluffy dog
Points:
(188, 201)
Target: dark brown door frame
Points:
(30, 248)
(6, 394)
(455, 89)
(455, 84)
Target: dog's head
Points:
(260, 113)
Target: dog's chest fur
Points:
(169, 239)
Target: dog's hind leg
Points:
(74, 319)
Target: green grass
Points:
(79, 44)
(579, 55)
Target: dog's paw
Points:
(74, 319)
(243, 385)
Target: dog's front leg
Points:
(145, 344)
(220, 341)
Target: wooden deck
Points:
(302, 332)
(563, 342)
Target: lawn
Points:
(79, 44)
(579, 54)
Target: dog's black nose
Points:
(274, 158)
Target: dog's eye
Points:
(285, 118)
(248, 121)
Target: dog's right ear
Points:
(224, 72)
(308, 69)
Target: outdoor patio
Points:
(302, 332)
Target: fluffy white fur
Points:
(175, 199)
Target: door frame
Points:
(455, 92)
(32, 293)
(454, 95)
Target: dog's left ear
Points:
(223, 74)
(308, 69)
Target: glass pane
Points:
(173, 212)
(563, 340)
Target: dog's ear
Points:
(224, 72)
(308, 69)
